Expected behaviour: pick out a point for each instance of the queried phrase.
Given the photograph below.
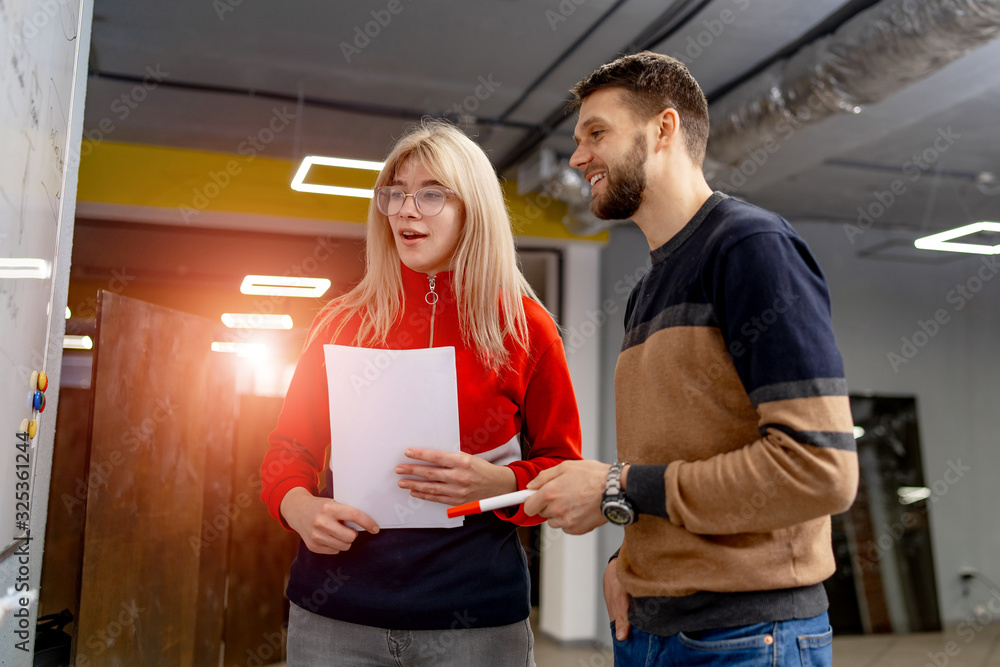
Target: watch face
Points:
(617, 514)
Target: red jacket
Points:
(532, 397)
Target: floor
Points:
(956, 647)
(965, 646)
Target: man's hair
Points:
(653, 82)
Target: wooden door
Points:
(156, 538)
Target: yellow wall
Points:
(194, 181)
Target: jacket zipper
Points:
(432, 298)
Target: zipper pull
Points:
(431, 297)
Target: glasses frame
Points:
(416, 202)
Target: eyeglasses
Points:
(429, 200)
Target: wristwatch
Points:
(614, 505)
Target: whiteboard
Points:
(44, 46)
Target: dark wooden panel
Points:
(60, 587)
(217, 512)
(157, 397)
(261, 549)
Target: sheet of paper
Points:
(381, 403)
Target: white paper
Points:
(381, 403)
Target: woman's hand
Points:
(318, 521)
(454, 478)
(616, 599)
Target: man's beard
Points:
(626, 182)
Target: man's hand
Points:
(454, 478)
(569, 495)
(318, 521)
(616, 599)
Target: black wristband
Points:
(646, 489)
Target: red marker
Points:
(488, 504)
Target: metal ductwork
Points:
(555, 179)
(876, 53)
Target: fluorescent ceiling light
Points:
(298, 183)
(256, 321)
(941, 241)
(78, 343)
(240, 349)
(23, 267)
(284, 286)
(911, 494)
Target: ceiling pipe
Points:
(876, 53)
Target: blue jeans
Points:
(805, 643)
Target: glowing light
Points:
(256, 321)
(911, 494)
(284, 286)
(298, 182)
(858, 432)
(24, 267)
(68, 313)
(253, 350)
(78, 343)
(941, 241)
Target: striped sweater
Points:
(732, 405)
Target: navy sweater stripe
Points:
(828, 439)
(782, 391)
(680, 315)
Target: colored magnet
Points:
(32, 429)
(39, 401)
(33, 381)
(43, 381)
(24, 426)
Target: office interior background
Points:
(867, 124)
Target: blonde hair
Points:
(487, 282)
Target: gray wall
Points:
(624, 259)
(954, 376)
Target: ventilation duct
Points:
(876, 53)
(547, 175)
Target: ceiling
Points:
(501, 68)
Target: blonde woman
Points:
(441, 271)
